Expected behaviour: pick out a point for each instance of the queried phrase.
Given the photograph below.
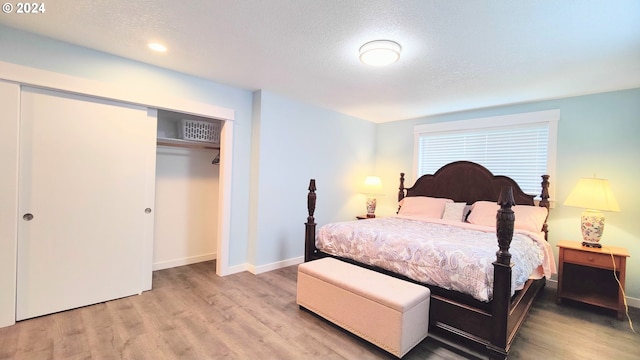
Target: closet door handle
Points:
(27, 217)
(147, 211)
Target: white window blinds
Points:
(517, 146)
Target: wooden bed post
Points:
(544, 202)
(401, 189)
(545, 191)
(310, 225)
(505, 220)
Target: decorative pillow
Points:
(423, 206)
(528, 217)
(483, 213)
(454, 211)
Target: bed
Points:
(489, 315)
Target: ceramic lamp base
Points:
(592, 225)
(371, 207)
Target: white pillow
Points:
(423, 206)
(454, 211)
(528, 217)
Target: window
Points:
(521, 146)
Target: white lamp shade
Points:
(593, 194)
(372, 185)
(380, 52)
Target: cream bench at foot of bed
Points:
(388, 312)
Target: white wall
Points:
(186, 211)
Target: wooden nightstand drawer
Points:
(590, 259)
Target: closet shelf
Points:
(187, 143)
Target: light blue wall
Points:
(296, 142)
(596, 134)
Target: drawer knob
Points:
(590, 258)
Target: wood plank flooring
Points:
(193, 314)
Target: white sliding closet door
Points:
(87, 175)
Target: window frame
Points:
(550, 117)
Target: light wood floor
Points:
(193, 314)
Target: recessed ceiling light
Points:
(157, 47)
(380, 52)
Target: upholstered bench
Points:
(388, 312)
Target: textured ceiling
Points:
(457, 54)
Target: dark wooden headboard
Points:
(465, 181)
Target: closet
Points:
(78, 190)
(86, 201)
(187, 188)
(108, 193)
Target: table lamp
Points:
(372, 187)
(593, 195)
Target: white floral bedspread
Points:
(452, 255)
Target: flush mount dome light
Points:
(157, 47)
(380, 52)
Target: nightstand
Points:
(363, 217)
(586, 275)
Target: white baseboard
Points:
(7, 323)
(183, 261)
(273, 266)
(236, 269)
(231, 269)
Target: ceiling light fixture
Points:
(380, 52)
(157, 47)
